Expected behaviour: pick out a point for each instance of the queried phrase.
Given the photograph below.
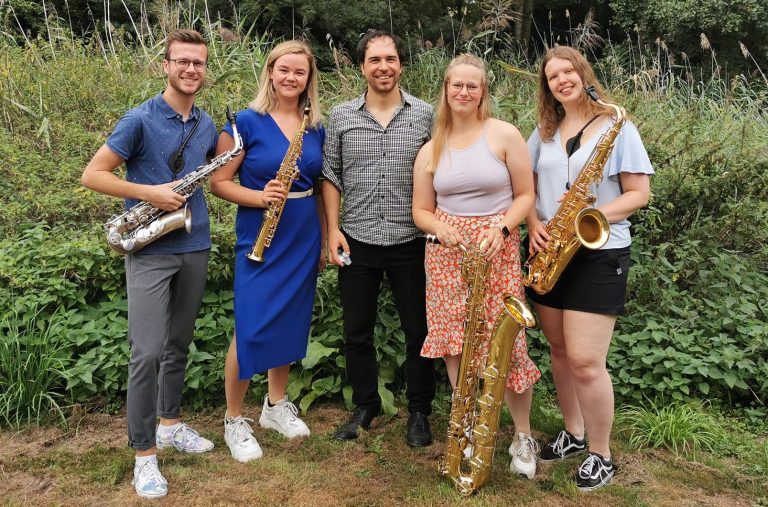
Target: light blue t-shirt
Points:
(551, 166)
(145, 137)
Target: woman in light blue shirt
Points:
(578, 315)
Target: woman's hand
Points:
(274, 192)
(448, 235)
(537, 236)
(490, 242)
(323, 261)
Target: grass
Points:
(685, 429)
(32, 371)
(89, 463)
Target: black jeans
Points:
(360, 284)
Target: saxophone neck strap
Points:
(176, 160)
(574, 143)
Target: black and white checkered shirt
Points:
(372, 167)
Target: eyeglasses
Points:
(183, 63)
(457, 86)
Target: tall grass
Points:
(685, 429)
(700, 239)
(32, 371)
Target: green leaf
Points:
(306, 401)
(315, 352)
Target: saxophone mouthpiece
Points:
(592, 93)
(230, 116)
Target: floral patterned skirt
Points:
(447, 297)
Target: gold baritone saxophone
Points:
(576, 222)
(479, 393)
(287, 174)
(143, 223)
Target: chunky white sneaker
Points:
(523, 451)
(283, 418)
(238, 435)
(148, 480)
(183, 438)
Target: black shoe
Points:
(361, 418)
(419, 434)
(595, 472)
(564, 446)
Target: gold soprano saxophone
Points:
(479, 392)
(287, 174)
(576, 222)
(144, 223)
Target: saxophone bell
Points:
(144, 223)
(479, 392)
(592, 228)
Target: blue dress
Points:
(274, 298)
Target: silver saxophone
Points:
(143, 223)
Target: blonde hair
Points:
(443, 115)
(551, 112)
(266, 100)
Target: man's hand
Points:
(163, 197)
(336, 241)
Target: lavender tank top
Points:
(472, 181)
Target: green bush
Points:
(696, 321)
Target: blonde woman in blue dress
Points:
(274, 298)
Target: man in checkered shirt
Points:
(370, 145)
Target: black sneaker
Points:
(595, 472)
(564, 446)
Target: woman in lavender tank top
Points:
(473, 185)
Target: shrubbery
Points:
(696, 324)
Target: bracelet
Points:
(504, 230)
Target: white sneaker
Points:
(183, 438)
(523, 451)
(238, 435)
(148, 481)
(283, 418)
(469, 449)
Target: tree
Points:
(680, 24)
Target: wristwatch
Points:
(504, 230)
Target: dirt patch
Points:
(90, 464)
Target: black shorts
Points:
(595, 281)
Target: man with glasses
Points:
(161, 141)
(370, 145)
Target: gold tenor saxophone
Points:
(288, 172)
(144, 223)
(479, 392)
(576, 222)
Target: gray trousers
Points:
(165, 293)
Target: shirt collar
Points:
(168, 111)
(359, 102)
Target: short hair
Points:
(362, 45)
(183, 35)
